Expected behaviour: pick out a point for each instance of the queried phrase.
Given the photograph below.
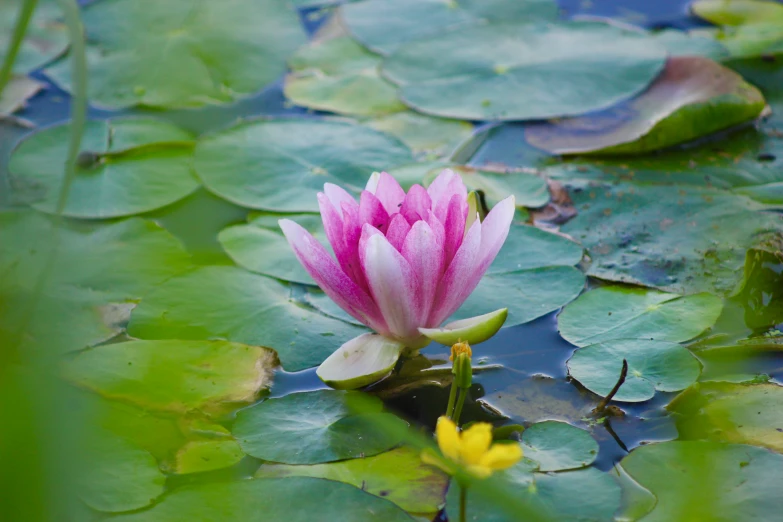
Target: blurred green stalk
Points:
(25, 14)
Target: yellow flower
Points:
(472, 449)
(460, 347)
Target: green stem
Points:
(452, 400)
(25, 14)
(463, 502)
(460, 403)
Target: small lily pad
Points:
(473, 330)
(127, 166)
(313, 427)
(175, 376)
(206, 455)
(280, 165)
(398, 475)
(619, 312)
(692, 97)
(652, 366)
(558, 446)
(230, 303)
(46, 37)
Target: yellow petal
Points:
(448, 438)
(475, 442)
(479, 471)
(501, 456)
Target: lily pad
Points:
(127, 166)
(652, 366)
(723, 481)
(16, 93)
(180, 54)
(739, 413)
(529, 247)
(314, 427)
(175, 376)
(523, 72)
(119, 476)
(692, 97)
(261, 247)
(691, 43)
(230, 303)
(383, 25)
(429, 138)
(206, 455)
(398, 475)
(280, 165)
(341, 76)
(46, 37)
(558, 446)
(619, 312)
(749, 27)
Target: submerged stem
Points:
(452, 400)
(460, 403)
(463, 501)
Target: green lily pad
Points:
(293, 499)
(280, 165)
(558, 446)
(619, 312)
(522, 72)
(181, 54)
(206, 455)
(725, 412)
(690, 43)
(46, 37)
(118, 475)
(384, 25)
(722, 481)
(584, 495)
(261, 247)
(175, 376)
(652, 366)
(230, 303)
(692, 97)
(529, 247)
(314, 427)
(127, 166)
(528, 189)
(341, 76)
(429, 138)
(678, 238)
(398, 475)
(749, 27)
(16, 93)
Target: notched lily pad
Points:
(692, 97)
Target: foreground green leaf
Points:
(558, 446)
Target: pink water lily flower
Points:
(404, 261)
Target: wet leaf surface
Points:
(558, 446)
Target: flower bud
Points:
(463, 371)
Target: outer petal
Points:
(389, 192)
(447, 185)
(352, 231)
(437, 227)
(332, 280)
(398, 231)
(417, 203)
(455, 285)
(371, 211)
(333, 225)
(454, 227)
(393, 284)
(494, 231)
(448, 438)
(501, 456)
(425, 256)
(337, 196)
(475, 442)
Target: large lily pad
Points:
(652, 366)
(725, 412)
(294, 499)
(341, 76)
(723, 482)
(692, 97)
(558, 446)
(398, 475)
(314, 427)
(280, 165)
(679, 238)
(230, 303)
(533, 71)
(183, 54)
(619, 312)
(118, 476)
(429, 138)
(46, 36)
(383, 25)
(128, 166)
(175, 376)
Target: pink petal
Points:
(372, 183)
(398, 230)
(454, 227)
(425, 255)
(392, 283)
(371, 211)
(458, 282)
(332, 280)
(337, 196)
(389, 192)
(447, 185)
(352, 231)
(494, 231)
(333, 225)
(416, 204)
(437, 227)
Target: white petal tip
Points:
(360, 362)
(473, 330)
